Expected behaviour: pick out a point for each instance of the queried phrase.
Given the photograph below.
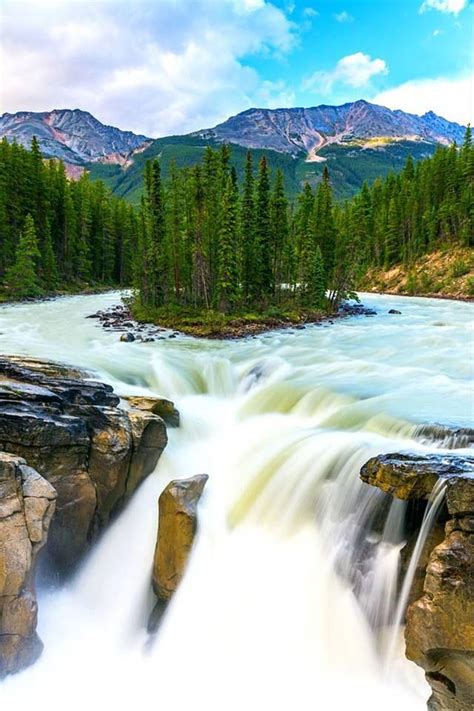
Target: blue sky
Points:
(172, 66)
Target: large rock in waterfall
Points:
(439, 630)
(72, 431)
(27, 504)
(176, 530)
(158, 406)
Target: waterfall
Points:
(294, 573)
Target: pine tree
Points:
(313, 291)
(279, 227)
(228, 275)
(249, 248)
(22, 277)
(263, 237)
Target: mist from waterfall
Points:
(292, 598)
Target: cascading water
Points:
(290, 583)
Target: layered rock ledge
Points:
(65, 445)
(439, 631)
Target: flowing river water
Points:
(290, 600)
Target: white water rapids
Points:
(289, 594)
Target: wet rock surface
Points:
(27, 503)
(158, 406)
(72, 431)
(177, 507)
(439, 630)
(413, 476)
(119, 319)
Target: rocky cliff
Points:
(75, 136)
(66, 445)
(439, 629)
(307, 130)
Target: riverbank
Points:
(444, 274)
(138, 324)
(8, 299)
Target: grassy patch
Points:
(214, 324)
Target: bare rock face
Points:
(27, 503)
(413, 476)
(176, 530)
(158, 406)
(73, 432)
(439, 630)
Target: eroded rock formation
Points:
(89, 456)
(73, 432)
(176, 530)
(439, 629)
(158, 406)
(27, 504)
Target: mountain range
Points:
(74, 136)
(358, 141)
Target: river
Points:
(289, 599)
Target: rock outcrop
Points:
(439, 629)
(158, 406)
(27, 504)
(72, 431)
(177, 526)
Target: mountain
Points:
(307, 131)
(75, 136)
(358, 141)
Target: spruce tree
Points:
(22, 277)
(228, 275)
(263, 286)
(249, 251)
(279, 227)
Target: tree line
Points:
(208, 242)
(205, 240)
(57, 233)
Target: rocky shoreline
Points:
(70, 459)
(439, 631)
(120, 319)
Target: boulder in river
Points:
(395, 311)
(27, 503)
(439, 630)
(176, 530)
(158, 406)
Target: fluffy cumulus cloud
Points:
(449, 6)
(355, 70)
(152, 67)
(450, 98)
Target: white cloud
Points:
(343, 17)
(436, 33)
(449, 6)
(155, 68)
(355, 70)
(310, 12)
(450, 98)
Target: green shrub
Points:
(459, 268)
(470, 286)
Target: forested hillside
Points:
(57, 234)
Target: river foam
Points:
(289, 597)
